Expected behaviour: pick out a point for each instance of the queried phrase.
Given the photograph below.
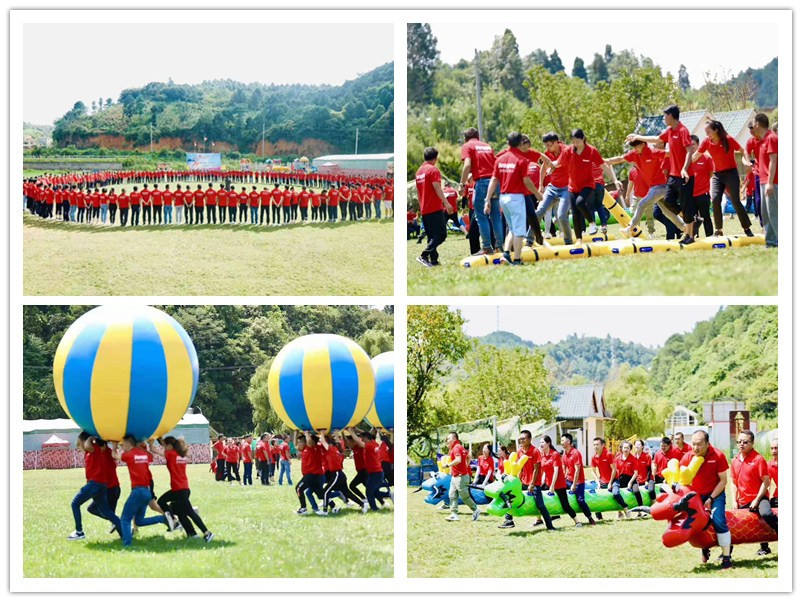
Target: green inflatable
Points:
(508, 497)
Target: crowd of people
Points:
(134, 198)
(172, 509)
(633, 467)
(521, 195)
(322, 457)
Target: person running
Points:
(432, 203)
(460, 478)
(247, 461)
(554, 476)
(138, 461)
(710, 482)
(624, 475)
(574, 468)
(312, 471)
(96, 487)
(478, 161)
(752, 479)
(679, 196)
(336, 483)
(702, 170)
(176, 501)
(531, 477)
(112, 487)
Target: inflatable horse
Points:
(689, 521)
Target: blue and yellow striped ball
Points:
(321, 381)
(380, 414)
(125, 371)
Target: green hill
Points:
(297, 119)
(765, 81)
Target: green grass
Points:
(321, 259)
(625, 549)
(743, 271)
(257, 534)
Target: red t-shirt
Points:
(580, 166)
(167, 197)
(550, 463)
(359, 458)
(286, 198)
(678, 140)
(123, 201)
(572, 459)
(372, 457)
(686, 447)
(644, 466)
(747, 476)
(773, 473)
(145, 194)
(135, 197)
(157, 197)
(220, 448)
(261, 451)
(462, 468)
(211, 197)
(650, 165)
(233, 198)
(232, 453)
(312, 460)
(722, 159)
(640, 186)
(253, 197)
(138, 460)
(768, 146)
(425, 178)
(95, 465)
(481, 156)
(316, 199)
(701, 170)
(661, 462)
(333, 459)
(625, 466)
(510, 169)
(198, 195)
(707, 478)
(246, 452)
(284, 449)
(177, 467)
(110, 465)
(486, 465)
(264, 197)
(451, 197)
(603, 464)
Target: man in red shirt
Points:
(262, 454)
(432, 203)
(312, 471)
(167, 198)
(303, 203)
(178, 203)
(264, 211)
(752, 480)
(575, 474)
(198, 196)
(767, 169)
(232, 452)
(510, 177)
(135, 200)
(602, 465)
(210, 200)
(284, 461)
(702, 170)
(286, 204)
(661, 459)
(710, 482)
(460, 478)
(247, 461)
(679, 196)
(478, 160)
(530, 477)
(679, 443)
(147, 205)
(157, 201)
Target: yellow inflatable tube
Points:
(621, 216)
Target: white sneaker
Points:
(593, 229)
(76, 535)
(301, 511)
(320, 512)
(626, 232)
(452, 517)
(365, 508)
(476, 514)
(392, 497)
(170, 521)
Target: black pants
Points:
(220, 474)
(763, 510)
(65, 210)
(304, 211)
(178, 504)
(188, 215)
(232, 471)
(336, 481)
(198, 215)
(146, 215)
(581, 206)
(387, 468)
(702, 203)
(333, 214)
(562, 495)
(623, 481)
(343, 209)
(134, 215)
(221, 214)
(314, 213)
(358, 480)
(730, 181)
(124, 216)
(247, 473)
(264, 215)
(367, 209)
(276, 211)
(112, 212)
(679, 198)
(533, 231)
(435, 225)
(312, 482)
(672, 231)
(211, 214)
(264, 472)
(157, 214)
(473, 233)
(80, 216)
(112, 497)
(232, 215)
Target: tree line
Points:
(235, 345)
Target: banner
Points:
(204, 161)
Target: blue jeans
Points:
(598, 207)
(135, 507)
(104, 211)
(564, 195)
(247, 475)
(73, 209)
(487, 221)
(378, 206)
(97, 493)
(284, 468)
(718, 514)
(168, 214)
(254, 214)
(579, 493)
(768, 212)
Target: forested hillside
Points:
(302, 119)
(231, 341)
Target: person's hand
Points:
(610, 487)
(462, 189)
(769, 187)
(630, 137)
(531, 488)
(573, 489)
(619, 186)
(708, 503)
(684, 174)
(487, 207)
(754, 504)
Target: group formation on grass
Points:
(172, 509)
(675, 179)
(322, 458)
(540, 480)
(133, 198)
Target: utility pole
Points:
(263, 135)
(356, 142)
(478, 95)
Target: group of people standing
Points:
(633, 467)
(677, 178)
(269, 452)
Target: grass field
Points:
(257, 534)
(321, 259)
(744, 271)
(626, 548)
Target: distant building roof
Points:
(581, 401)
(653, 125)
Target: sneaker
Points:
(452, 517)
(76, 535)
(208, 537)
(592, 522)
(365, 508)
(170, 521)
(516, 262)
(507, 524)
(705, 555)
(577, 525)
(424, 262)
(476, 513)
(320, 512)
(538, 522)
(445, 506)
(482, 252)
(113, 529)
(335, 510)
(748, 232)
(593, 229)
(301, 511)
(763, 551)
(726, 562)
(686, 241)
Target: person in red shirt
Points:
(386, 450)
(478, 161)
(537, 161)
(262, 454)
(286, 205)
(219, 456)
(661, 459)
(312, 472)
(135, 200)
(147, 205)
(176, 501)
(679, 443)
(553, 476)
(198, 197)
(222, 203)
(452, 213)
(283, 458)
(710, 482)
(432, 204)
(113, 201)
(275, 204)
(336, 483)
(767, 148)
(679, 196)
(96, 488)
(625, 471)
(389, 195)
(167, 198)
(702, 170)
(574, 468)
(264, 204)
(157, 202)
(774, 471)
(233, 201)
(247, 461)
(460, 478)
(178, 203)
(485, 467)
(138, 461)
(644, 459)
(531, 477)
(303, 203)
(210, 200)
(232, 453)
(752, 480)
(296, 199)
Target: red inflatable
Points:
(689, 521)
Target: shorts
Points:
(514, 208)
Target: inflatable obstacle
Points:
(438, 484)
(621, 216)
